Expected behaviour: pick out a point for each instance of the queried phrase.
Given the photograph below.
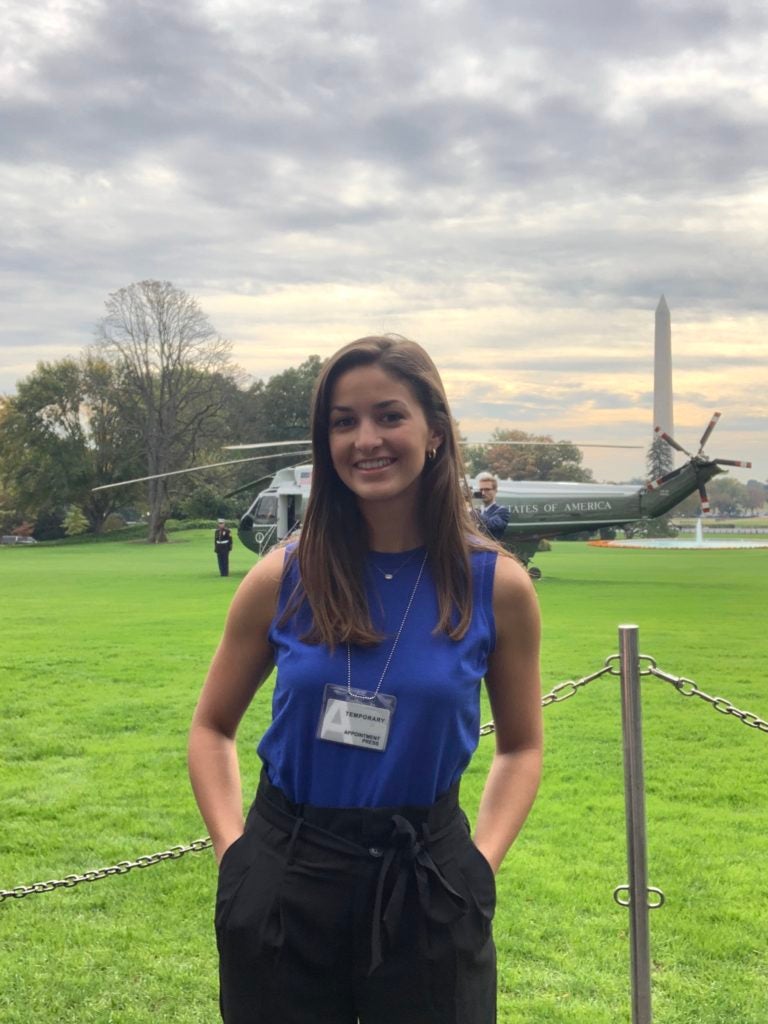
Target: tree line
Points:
(158, 392)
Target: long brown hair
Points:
(333, 543)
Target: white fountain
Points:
(697, 543)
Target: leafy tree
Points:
(206, 501)
(286, 400)
(688, 507)
(114, 521)
(60, 437)
(543, 460)
(278, 410)
(659, 526)
(728, 496)
(49, 524)
(75, 522)
(659, 459)
(279, 407)
(475, 458)
(9, 517)
(757, 495)
(175, 378)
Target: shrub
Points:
(114, 521)
(172, 525)
(49, 525)
(75, 522)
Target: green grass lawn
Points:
(103, 652)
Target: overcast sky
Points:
(514, 183)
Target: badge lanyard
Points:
(358, 718)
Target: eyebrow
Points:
(379, 405)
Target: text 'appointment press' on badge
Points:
(359, 718)
(355, 723)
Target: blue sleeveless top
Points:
(435, 727)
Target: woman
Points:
(354, 891)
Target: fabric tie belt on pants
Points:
(404, 853)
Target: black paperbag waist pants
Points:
(331, 916)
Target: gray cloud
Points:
(441, 156)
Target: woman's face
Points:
(378, 435)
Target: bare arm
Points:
(514, 689)
(242, 662)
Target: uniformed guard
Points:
(222, 545)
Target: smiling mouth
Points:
(374, 463)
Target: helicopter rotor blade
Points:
(482, 444)
(263, 479)
(248, 486)
(671, 441)
(655, 484)
(264, 444)
(546, 444)
(732, 462)
(192, 469)
(710, 427)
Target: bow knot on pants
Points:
(340, 915)
(409, 856)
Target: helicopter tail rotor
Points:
(698, 457)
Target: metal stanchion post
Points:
(634, 796)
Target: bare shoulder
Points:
(256, 598)
(514, 596)
(268, 571)
(511, 581)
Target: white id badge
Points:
(347, 719)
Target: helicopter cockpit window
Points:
(266, 509)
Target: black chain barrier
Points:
(122, 868)
(563, 691)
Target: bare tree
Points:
(174, 374)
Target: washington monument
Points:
(662, 371)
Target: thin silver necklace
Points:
(358, 694)
(391, 575)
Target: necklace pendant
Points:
(388, 575)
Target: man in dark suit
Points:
(222, 545)
(493, 517)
